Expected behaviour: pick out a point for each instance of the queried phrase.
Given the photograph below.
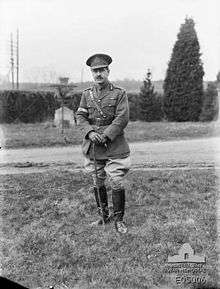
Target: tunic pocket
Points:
(109, 106)
(111, 101)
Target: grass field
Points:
(47, 241)
(44, 134)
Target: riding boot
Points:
(102, 208)
(118, 200)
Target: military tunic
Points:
(113, 102)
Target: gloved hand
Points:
(95, 137)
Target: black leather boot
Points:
(118, 200)
(103, 206)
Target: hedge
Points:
(26, 106)
(38, 106)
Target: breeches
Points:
(115, 169)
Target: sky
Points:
(57, 36)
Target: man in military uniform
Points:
(102, 115)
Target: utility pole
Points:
(17, 67)
(12, 62)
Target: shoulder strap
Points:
(96, 104)
(118, 87)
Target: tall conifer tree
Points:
(149, 105)
(183, 85)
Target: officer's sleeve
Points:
(121, 119)
(82, 117)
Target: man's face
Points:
(100, 75)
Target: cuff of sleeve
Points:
(87, 134)
(111, 134)
(106, 137)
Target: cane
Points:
(96, 183)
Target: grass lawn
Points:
(44, 134)
(47, 241)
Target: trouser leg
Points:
(99, 182)
(116, 169)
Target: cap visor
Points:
(98, 66)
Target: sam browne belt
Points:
(101, 122)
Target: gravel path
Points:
(197, 153)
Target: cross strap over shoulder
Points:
(96, 104)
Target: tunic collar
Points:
(101, 92)
(106, 86)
